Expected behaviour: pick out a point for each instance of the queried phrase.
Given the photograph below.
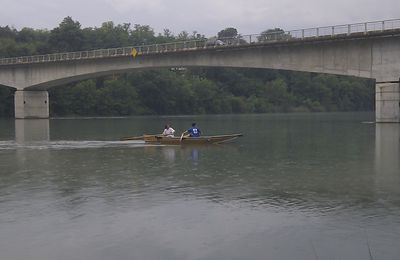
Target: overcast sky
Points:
(204, 16)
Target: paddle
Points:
(131, 138)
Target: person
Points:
(168, 131)
(193, 131)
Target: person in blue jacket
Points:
(193, 131)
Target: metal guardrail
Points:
(273, 36)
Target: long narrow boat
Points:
(160, 139)
(213, 139)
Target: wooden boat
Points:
(160, 139)
(213, 139)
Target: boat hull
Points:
(215, 139)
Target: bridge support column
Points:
(387, 102)
(31, 104)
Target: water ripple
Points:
(63, 144)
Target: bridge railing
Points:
(270, 36)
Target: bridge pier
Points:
(31, 104)
(387, 102)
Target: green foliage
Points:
(67, 37)
(228, 32)
(111, 36)
(142, 35)
(7, 47)
(188, 91)
(273, 34)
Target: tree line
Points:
(176, 90)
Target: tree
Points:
(183, 36)
(229, 32)
(67, 37)
(7, 47)
(111, 36)
(7, 32)
(273, 34)
(142, 35)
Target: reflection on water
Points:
(304, 186)
(194, 155)
(387, 147)
(169, 153)
(27, 130)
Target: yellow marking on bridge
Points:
(134, 52)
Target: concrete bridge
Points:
(367, 50)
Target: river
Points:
(295, 186)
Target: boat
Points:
(160, 139)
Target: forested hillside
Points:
(176, 90)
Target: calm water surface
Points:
(296, 186)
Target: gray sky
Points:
(204, 16)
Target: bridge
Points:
(367, 50)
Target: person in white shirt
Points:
(168, 131)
